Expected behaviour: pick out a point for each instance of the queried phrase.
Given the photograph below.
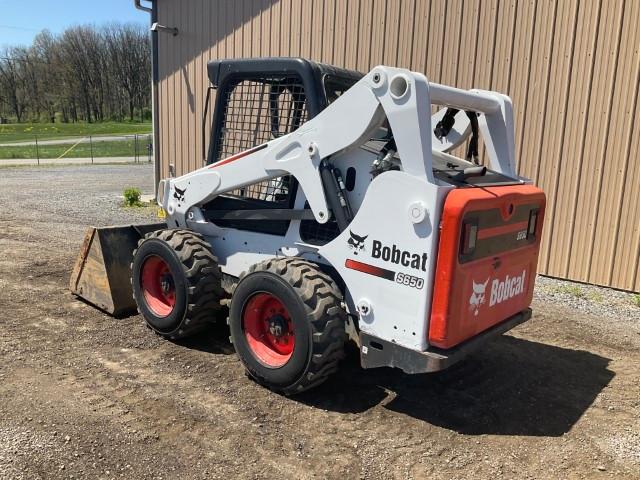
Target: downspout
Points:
(155, 80)
(144, 9)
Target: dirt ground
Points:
(83, 395)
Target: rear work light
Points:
(469, 237)
(533, 221)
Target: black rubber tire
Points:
(315, 306)
(196, 276)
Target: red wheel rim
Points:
(157, 286)
(268, 329)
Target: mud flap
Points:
(102, 273)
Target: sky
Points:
(21, 20)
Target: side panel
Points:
(387, 258)
(478, 287)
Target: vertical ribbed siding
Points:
(549, 144)
(571, 67)
(567, 182)
(614, 157)
(587, 203)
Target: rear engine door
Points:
(487, 260)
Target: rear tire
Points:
(176, 282)
(287, 324)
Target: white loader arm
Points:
(402, 97)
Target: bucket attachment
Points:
(102, 273)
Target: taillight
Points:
(533, 221)
(469, 237)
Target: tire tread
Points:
(203, 275)
(327, 317)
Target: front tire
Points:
(176, 282)
(287, 324)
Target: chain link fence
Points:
(38, 149)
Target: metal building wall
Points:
(571, 66)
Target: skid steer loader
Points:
(331, 208)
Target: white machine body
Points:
(387, 256)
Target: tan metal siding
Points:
(571, 67)
(567, 182)
(615, 159)
(550, 144)
(586, 205)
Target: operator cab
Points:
(258, 100)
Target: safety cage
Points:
(258, 100)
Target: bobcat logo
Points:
(477, 297)
(179, 194)
(356, 242)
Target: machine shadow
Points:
(512, 387)
(214, 338)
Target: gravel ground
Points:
(83, 395)
(74, 197)
(590, 299)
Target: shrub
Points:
(571, 289)
(132, 197)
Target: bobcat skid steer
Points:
(330, 208)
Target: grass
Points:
(636, 299)
(120, 148)
(16, 132)
(573, 290)
(596, 297)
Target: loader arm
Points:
(402, 97)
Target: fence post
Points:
(91, 148)
(149, 148)
(136, 148)
(37, 151)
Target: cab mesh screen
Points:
(257, 111)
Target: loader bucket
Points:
(102, 273)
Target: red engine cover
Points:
(478, 288)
